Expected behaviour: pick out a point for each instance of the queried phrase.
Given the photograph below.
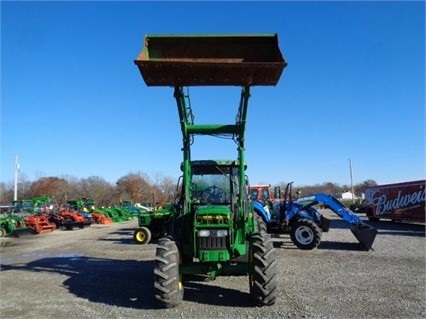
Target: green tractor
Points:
(212, 229)
(12, 224)
(34, 205)
(153, 223)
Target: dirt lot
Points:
(98, 272)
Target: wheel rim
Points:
(140, 236)
(304, 235)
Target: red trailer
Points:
(398, 202)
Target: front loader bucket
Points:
(365, 235)
(190, 60)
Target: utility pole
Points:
(352, 181)
(15, 193)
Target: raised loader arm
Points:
(337, 207)
(211, 60)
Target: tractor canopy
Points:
(213, 60)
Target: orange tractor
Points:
(40, 223)
(73, 219)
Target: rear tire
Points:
(305, 234)
(142, 235)
(263, 278)
(2, 232)
(168, 288)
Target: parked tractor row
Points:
(42, 214)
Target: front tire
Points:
(142, 235)
(261, 225)
(168, 288)
(305, 234)
(263, 277)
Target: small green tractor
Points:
(212, 229)
(153, 224)
(12, 223)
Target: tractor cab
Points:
(214, 182)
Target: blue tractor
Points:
(305, 223)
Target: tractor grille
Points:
(213, 243)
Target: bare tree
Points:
(360, 188)
(136, 187)
(71, 189)
(168, 188)
(48, 186)
(302, 190)
(97, 189)
(6, 192)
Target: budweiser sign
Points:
(385, 204)
(401, 199)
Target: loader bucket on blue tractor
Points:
(365, 234)
(191, 60)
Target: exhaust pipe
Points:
(365, 234)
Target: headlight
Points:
(204, 233)
(213, 233)
(222, 233)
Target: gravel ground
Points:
(98, 272)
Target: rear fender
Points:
(261, 211)
(315, 215)
(299, 211)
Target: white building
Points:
(346, 195)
